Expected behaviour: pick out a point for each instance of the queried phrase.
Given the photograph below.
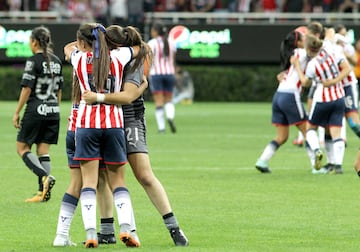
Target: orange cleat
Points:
(36, 199)
(130, 239)
(298, 142)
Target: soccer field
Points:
(221, 201)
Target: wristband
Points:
(100, 97)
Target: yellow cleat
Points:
(48, 183)
(37, 198)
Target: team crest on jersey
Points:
(29, 66)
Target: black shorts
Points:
(39, 131)
(70, 151)
(101, 144)
(135, 131)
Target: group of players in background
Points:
(111, 67)
(321, 60)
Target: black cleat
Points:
(263, 169)
(172, 125)
(338, 169)
(106, 238)
(262, 166)
(179, 237)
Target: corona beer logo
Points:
(15, 42)
(201, 43)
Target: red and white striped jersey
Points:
(162, 64)
(102, 115)
(351, 78)
(323, 67)
(72, 117)
(291, 82)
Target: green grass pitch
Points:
(221, 201)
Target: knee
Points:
(21, 150)
(145, 180)
(75, 188)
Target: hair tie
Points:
(95, 33)
(100, 27)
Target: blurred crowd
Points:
(116, 11)
(258, 5)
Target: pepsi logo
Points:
(180, 35)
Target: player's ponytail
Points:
(94, 35)
(75, 91)
(162, 31)
(287, 47)
(101, 58)
(117, 36)
(43, 36)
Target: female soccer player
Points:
(100, 126)
(162, 76)
(41, 86)
(328, 105)
(71, 196)
(137, 151)
(287, 107)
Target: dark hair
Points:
(117, 36)
(43, 36)
(75, 91)
(339, 27)
(287, 47)
(94, 35)
(162, 31)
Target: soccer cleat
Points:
(358, 173)
(130, 238)
(179, 237)
(48, 184)
(328, 167)
(63, 241)
(262, 166)
(298, 142)
(91, 239)
(337, 169)
(106, 238)
(323, 170)
(318, 158)
(172, 125)
(37, 198)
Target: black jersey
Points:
(136, 109)
(45, 83)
